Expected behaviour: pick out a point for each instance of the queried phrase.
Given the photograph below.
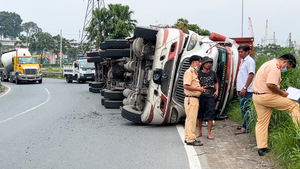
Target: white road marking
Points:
(190, 150)
(6, 91)
(24, 112)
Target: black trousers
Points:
(206, 108)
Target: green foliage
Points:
(45, 65)
(184, 25)
(10, 24)
(73, 53)
(41, 41)
(112, 23)
(55, 76)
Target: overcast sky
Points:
(220, 16)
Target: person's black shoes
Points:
(195, 140)
(239, 128)
(195, 143)
(263, 151)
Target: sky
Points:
(220, 16)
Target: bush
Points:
(50, 65)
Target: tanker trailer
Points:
(20, 66)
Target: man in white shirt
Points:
(244, 83)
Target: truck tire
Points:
(98, 84)
(77, 80)
(90, 89)
(146, 33)
(41, 81)
(68, 80)
(115, 44)
(17, 80)
(113, 95)
(115, 53)
(130, 114)
(113, 104)
(102, 101)
(96, 90)
(11, 80)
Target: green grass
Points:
(53, 76)
(50, 69)
(284, 138)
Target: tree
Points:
(40, 42)
(56, 46)
(98, 30)
(122, 24)
(10, 24)
(184, 25)
(72, 53)
(29, 28)
(112, 23)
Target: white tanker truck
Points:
(20, 66)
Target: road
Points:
(61, 125)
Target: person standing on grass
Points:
(268, 96)
(244, 83)
(208, 80)
(192, 91)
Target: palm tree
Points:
(122, 24)
(98, 30)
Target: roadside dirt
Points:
(230, 151)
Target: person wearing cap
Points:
(268, 96)
(208, 79)
(192, 91)
(244, 83)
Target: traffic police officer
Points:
(192, 91)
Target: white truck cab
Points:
(80, 70)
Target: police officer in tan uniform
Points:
(268, 96)
(192, 91)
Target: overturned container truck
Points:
(160, 58)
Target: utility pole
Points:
(242, 16)
(60, 53)
(91, 6)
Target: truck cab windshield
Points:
(87, 65)
(27, 60)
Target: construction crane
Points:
(91, 5)
(274, 40)
(250, 27)
(266, 34)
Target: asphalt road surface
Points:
(60, 125)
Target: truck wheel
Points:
(17, 80)
(130, 114)
(77, 80)
(68, 80)
(11, 80)
(102, 101)
(113, 104)
(115, 44)
(113, 95)
(115, 53)
(96, 90)
(97, 84)
(41, 81)
(146, 33)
